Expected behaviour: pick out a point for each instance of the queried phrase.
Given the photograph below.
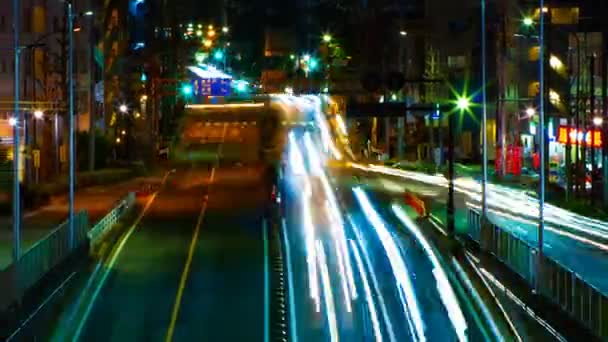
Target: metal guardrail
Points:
(46, 254)
(39, 259)
(561, 285)
(99, 229)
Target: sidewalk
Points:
(96, 200)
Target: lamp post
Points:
(16, 116)
(541, 115)
(72, 170)
(484, 132)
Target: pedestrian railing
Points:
(39, 259)
(100, 228)
(49, 252)
(561, 285)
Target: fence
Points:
(562, 286)
(39, 259)
(97, 232)
(51, 251)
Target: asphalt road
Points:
(372, 300)
(588, 260)
(191, 267)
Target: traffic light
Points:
(186, 90)
(218, 55)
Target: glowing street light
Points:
(211, 33)
(123, 108)
(187, 90)
(597, 121)
(38, 114)
(12, 122)
(530, 111)
(218, 55)
(306, 57)
(555, 63)
(207, 43)
(327, 38)
(199, 33)
(463, 103)
(528, 21)
(403, 33)
(225, 29)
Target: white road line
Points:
(290, 283)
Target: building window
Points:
(2, 23)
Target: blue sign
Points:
(212, 87)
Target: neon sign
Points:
(592, 138)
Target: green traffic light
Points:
(313, 64)
(187, 90)
(218, 55)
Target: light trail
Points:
(515, 202)
(400, 271)
(373, 313)
(333, 209)
(328, 294)
(368, 263)
(446, 293)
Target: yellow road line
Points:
(186, 271)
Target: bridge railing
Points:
(561, 285)
(51, 251)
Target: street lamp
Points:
(225, 29)
(38, 114)
(463, 103)
(597, 121)
(527, 21)
(327, 38)
(530, 111)
(12, 122)
(123, 108)
(403, 33)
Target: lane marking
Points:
(186, 271)
(290, 284)
(110, 265)
(188, 264)
(266, 283)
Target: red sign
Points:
(513, 160)
(592, 138)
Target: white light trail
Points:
(514, 201)
(328, 294)
(448, 297)
(368, 263)
(400, 271)
(341, 124)
(333, 209)
(309, 233)
(368, 293)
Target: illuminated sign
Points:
(212, 87)
(592, 138)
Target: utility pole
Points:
(450, 209)
(72, 161)
(604, 69)
(592, 113)
(542, 130)
(484, 122)
(92, 79)
(17, 119)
